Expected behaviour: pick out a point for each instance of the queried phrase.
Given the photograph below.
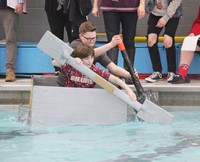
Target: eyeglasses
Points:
(90, 39)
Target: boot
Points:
(10, 76)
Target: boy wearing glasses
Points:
(87, 35)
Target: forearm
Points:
(174, 4)
(102, 49)
(119, 82)
(141, 9)
(122, 73)
(95, 9)
(142, 2)
(116, 70)
(96, 3)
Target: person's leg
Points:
(57, 23)
(112, 27)
(72, 31)
(75, 32)
(152, 40)
(68, 27)
(129, 23)
(169, 43)
(186, 58)
(9, 24)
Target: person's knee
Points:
(152, 39)
(167, 41)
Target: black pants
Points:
(128, 21)
(58, 22)
(170, 30)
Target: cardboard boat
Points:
(52, 105)
(55, 106)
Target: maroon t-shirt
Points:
(75, 79)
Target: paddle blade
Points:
(54, 47)
(152, 97)
(149, 95)
(151, 112)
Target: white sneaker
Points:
(156, 76)
(170, 76)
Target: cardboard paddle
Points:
(142, 95)
(61, 52)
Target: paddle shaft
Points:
(135, 80)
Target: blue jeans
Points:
(128, 21)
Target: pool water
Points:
(129, 142)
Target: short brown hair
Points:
(86, 27)
(83, 51)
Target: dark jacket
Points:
(152, 3)
(76, 10)
(51, 6)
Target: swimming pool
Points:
(129, 142)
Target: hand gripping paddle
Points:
(142, 95)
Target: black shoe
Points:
(57, 73)
(178, 79)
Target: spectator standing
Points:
(120, 12)
(163, 14)
(8, 18)
(68, 14)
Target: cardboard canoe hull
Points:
(52, 105)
